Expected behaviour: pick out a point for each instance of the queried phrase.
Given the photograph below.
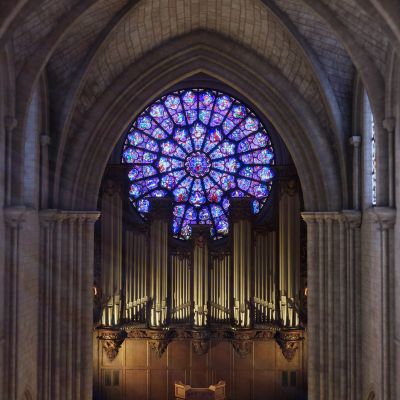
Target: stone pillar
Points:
(111, 251)
(389, 124)
(160, 217)
(14, 218)
(333, 252)
(66, 304)
(355, 142)
(289, 252)
(200, 236)
(384, 219)
(242, 263)
(10, 124)
(45, 141)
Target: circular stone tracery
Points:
(201, 147)
(198, 165)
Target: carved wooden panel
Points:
(144, 375)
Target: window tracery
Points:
(202, 147)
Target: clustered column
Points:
(333, 254)
(66, 304)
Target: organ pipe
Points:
(160, 212)
(200, 235)
(111, 249)
(289, 252)
(242, 260)
(265, 277)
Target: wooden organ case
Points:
(199, 311)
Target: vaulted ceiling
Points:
(83, 46)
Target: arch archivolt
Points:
(261, 84)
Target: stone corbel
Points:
(200, 341)
(288, 341)
(112, 340)
(159, 340)
(242, 341)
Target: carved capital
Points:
(159, 340)
(15, 216)
(355, 141)
(288, 341)
(10, 123)
(384, 216)
(389, 124)
(112, 341)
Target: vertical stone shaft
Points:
(333, 320)
(66, 304)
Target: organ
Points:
(249, 280)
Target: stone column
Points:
(389, 124)
(10, 124)
(242, 263)
(289, 252)
(66, 304)
(160, 217)
(14, 219)
(45, 141)
(333, 252)
(200, 236)
(384, 219)
(355, 142)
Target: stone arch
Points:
(247, 73)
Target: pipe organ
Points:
(152, 280)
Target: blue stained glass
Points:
(201, 147)
(143, 205)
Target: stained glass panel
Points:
(201, 147)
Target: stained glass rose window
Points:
(201, 147)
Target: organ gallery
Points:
(200, 267)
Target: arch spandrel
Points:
(246, 73)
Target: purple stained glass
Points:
(201, 147)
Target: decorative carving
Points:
(200, 234)
(136, 333)
(112, 341)
(159, 340)
(265, 334)
(242, 341)
(201, 341)
(240, 209)
(288, 187)
(288, 341)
